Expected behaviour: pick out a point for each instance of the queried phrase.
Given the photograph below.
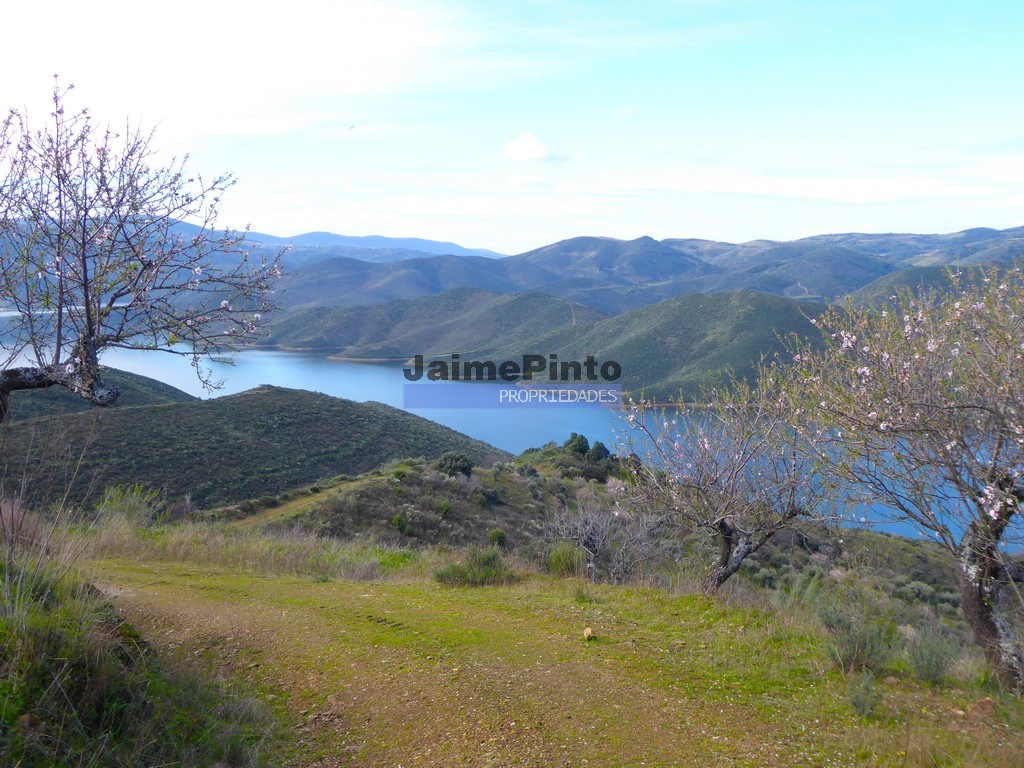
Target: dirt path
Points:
(415, 674)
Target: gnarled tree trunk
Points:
(82, 380)
(734, 546)
(984, 580)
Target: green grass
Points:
(397, 668)
(482, 567)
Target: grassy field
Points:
(385, 667)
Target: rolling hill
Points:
(669, 348)
(225, 449)
(457, 320)
(662, 348)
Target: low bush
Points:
(497, 537)
(931, 653)
(566, 560)
(864, 696)
(482, 567)
(864, 635)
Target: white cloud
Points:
(526, 147)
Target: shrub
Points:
(863, 631)
(566, 560)
(931, 653)
(497, 537)
(486, 497)
(577, 444)
(765, 577)
(482, 567)
(402, 525)
(863, 695)
(455, 463)
(916, 592)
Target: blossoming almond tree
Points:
(101, 247)
(919, 408)
(733, 469)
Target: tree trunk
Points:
(983, 582)
(734, 546)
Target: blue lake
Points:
(513, 428)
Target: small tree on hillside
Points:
(734, 470)
(919, 408)
(454, 463)
(102, 248)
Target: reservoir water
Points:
(513, 428)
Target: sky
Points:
(511, 125)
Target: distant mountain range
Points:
(616, 276)
(317, 246)
(667, 311)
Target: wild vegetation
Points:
(80, 687)
(418, 502)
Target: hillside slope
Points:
(458, 320)
(669, 348)
(226, 449)
(661, 348)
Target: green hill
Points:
(672, 345)
(914, 279)
(226, 449)
(662, 348)
(135, 390)
(459, 320)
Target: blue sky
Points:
(510, 125)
